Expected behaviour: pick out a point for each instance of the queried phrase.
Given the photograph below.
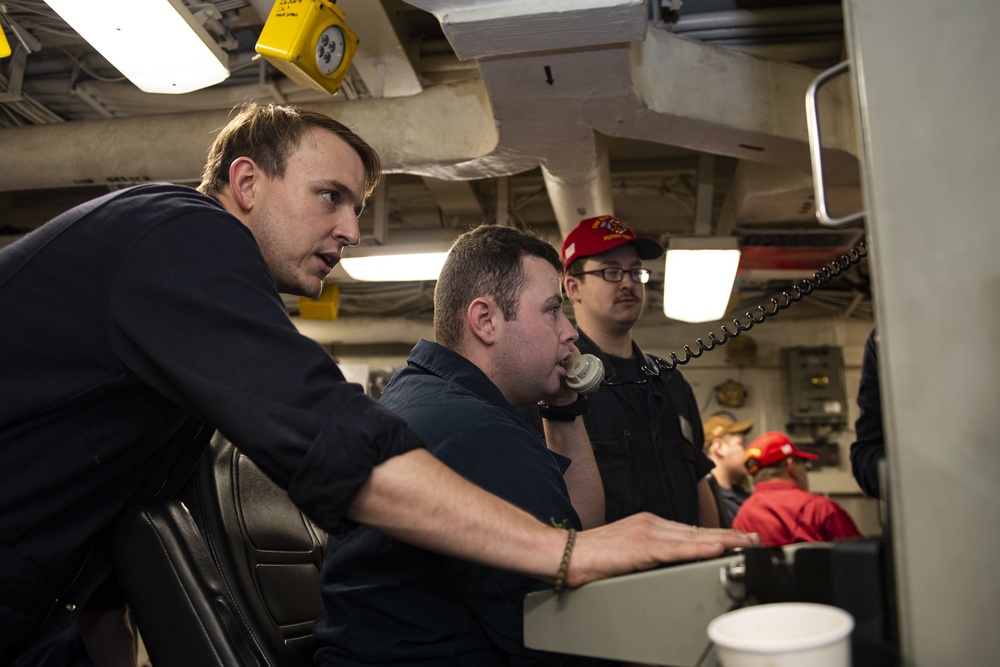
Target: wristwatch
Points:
(564, 413)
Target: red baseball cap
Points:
(768, 449)
(605, 232)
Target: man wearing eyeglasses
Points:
(643, 423)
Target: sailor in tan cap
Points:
(724, 444)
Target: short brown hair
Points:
(267, 134)
(485, 261)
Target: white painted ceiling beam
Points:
(486, 28)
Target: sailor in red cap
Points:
(781, 509)
(644, 423)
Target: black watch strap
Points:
(564, 413)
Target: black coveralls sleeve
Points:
(195, 314)
(869, 447)
(131, 322)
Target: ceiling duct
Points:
(551, 80)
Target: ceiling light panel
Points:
(156, 44)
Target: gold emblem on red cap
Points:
(614, 225)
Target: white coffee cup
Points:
(783, 634)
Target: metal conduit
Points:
(758, 17)
(769, 32)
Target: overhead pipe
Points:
(172, 146)
(577, 192)
(743, 18)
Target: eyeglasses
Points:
(613, 274)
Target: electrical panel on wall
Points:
(814, 385)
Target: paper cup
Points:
(783, 634)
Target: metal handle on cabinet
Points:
(816, 147)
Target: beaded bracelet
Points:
(564, 565)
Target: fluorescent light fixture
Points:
(157, 44)
(698, 277)
(395, 262)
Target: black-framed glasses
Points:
(613, 274)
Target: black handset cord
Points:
(806, 286)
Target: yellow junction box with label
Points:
(309, 42)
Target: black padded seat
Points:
(225, 575)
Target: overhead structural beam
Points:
(456, 200)
(503, 201)
(482, 29)
(703, 199)
(711, 99)
(381, 60)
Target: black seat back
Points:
(227, 574)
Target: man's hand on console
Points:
(644, 541)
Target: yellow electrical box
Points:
(4, 45)
(325, 307)
(309, 42)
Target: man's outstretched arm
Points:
(417, 499)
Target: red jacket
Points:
(781, 513)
